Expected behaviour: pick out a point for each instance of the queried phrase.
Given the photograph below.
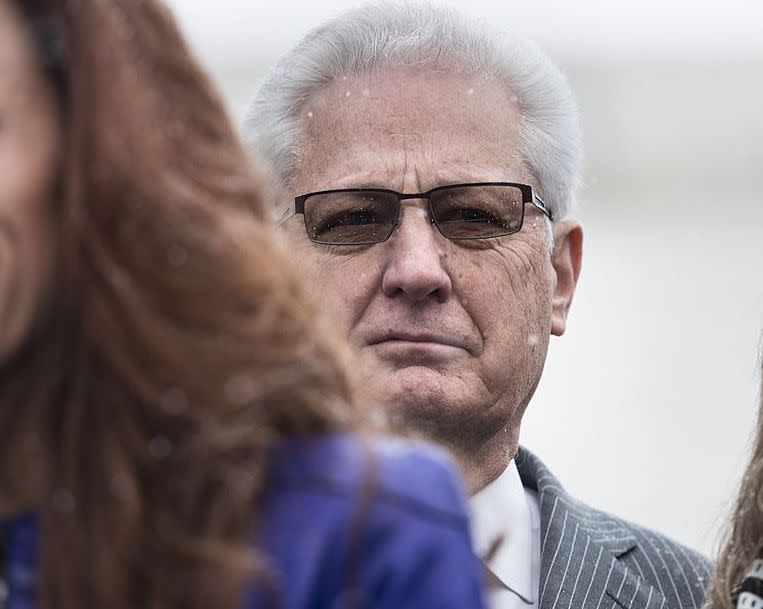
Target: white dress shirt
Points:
(505, 510)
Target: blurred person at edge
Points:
(177, 425)
(738, 578)
(452, 285)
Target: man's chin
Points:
(411, 385)
(418, 398)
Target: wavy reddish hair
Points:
(180, 344)
(744, 537)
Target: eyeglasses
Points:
(362, 216)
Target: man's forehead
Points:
(451, 127)
(382, 167)
(396, 101)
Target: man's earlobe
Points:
(567, 258)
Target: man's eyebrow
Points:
(390, 179)
(359, 180)
(442, 178)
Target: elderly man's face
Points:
(453, 334)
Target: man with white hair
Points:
(433, 164)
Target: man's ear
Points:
(566, 258)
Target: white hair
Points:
(391, 35)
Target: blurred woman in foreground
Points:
(173, 409)
(738, 578)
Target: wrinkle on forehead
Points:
(433, 127)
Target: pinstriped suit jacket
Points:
(591, 560)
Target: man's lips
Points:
(416, 339)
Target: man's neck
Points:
(483, 464)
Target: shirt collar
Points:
(501, 510)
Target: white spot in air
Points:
(160, 447)
(120, 484)
(470, 92)
(532, 340)
(309, 115)
(379, 417)
(177, 256)
(63, 500)
(347, 94)
(340, 411)
(240, 389)
(344, 78)
(174, 401)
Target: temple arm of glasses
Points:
(538, 202)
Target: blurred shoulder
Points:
(388, 513)
(414, 476)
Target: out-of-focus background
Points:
(648, 402)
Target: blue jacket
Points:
(382, 522)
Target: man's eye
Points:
(344, 221)
(469, 214)
(354, 218)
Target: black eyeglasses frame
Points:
(528, 196)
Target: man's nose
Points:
(415, 263)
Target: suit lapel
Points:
(580, 551)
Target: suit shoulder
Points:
(664, 548)
(679, 573)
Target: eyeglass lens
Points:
(477, 212)
(460, 212)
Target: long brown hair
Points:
(744, 537)
(179, 344)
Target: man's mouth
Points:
(416, 337)
(416, 347)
